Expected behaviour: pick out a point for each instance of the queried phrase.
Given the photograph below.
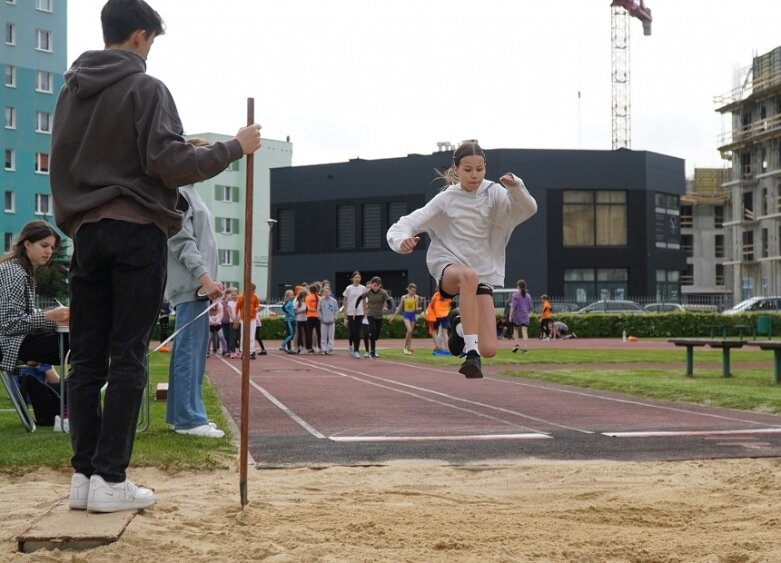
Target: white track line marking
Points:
(665, 433)
(329, 368)
(281, 406)
(525, 436)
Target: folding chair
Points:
(15, 395)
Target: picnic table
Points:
(776, 347)
(725, 344)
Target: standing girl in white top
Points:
(353, 313)
(469, 223)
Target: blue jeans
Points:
(184, 406)
(290, 332)
(117, 277)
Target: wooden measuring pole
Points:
(245, 335)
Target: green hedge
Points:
(591, 325)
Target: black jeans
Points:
(117, 277)
(42, 347)
(375, 327)
(355, 332)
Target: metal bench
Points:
(724, 344)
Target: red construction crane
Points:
(621, 10)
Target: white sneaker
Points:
(204, 430)
(61, 425)
(115, 497)
(79, 492)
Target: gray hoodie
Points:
(192, 251)
(117, 133)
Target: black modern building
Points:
(606, 226)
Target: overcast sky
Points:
(371, 79)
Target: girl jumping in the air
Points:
(469, 223)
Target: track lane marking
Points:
(666, 433)
(331, 369)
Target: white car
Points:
(756, 304)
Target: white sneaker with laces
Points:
(204, 430)
(115, 497)
(79, 492)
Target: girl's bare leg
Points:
(462, 281)
(487, 325)
(408, 337)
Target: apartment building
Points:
(225, 196)
(705, 241)
(33, 56)
(752, 145)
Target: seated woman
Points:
(28, 335)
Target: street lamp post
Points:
(271, 223)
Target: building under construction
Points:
(704, 209)
(753, 146)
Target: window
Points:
(595, 218)
(687, 216)
(345, 227)
(44, 5)
(43, 40)
(748, 206)
(719, 274)
(43, 204)
(41, 163)
(667, 282)
(44, 119)
(371, 225)
(718, 217)
(396, 209)
(43, 81)
(226, 226)
(687, 277)
(10, 33)
(226, 193)
(8, 241)
(9, 202)
(687, 245)
(587, 284)
(10, 159)
(228, 257)
(764, 242)
(718, 247)
(286, 230)
(10, 117)
(10, 76)
(748, 246)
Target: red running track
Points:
(313, 409)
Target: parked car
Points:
(273, 310)
(665, 308)
(611, 306)
(772, 303)
(559, 307)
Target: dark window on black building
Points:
(372, 225)
(396, 209)
(286, 230)
(345, 227)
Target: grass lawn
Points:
(750, 388)
(159, 446)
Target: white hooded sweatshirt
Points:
(468, 228)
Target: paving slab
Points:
(63, 528)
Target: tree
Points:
(51, 280)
